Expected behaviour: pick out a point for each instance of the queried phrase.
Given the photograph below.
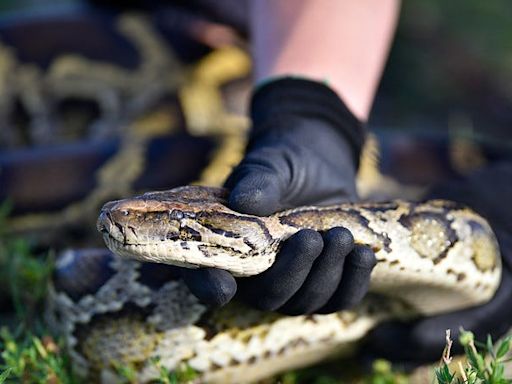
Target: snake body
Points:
(433, 257)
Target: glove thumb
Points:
(256, 192)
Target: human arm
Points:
(344, 43)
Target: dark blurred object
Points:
(234, 13)
(94, 72)
(450, 59)
(90, 120)
(57, 32)
(424, 158)
(47, 179)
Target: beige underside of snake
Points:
(433, 257)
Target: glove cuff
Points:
(309, 99)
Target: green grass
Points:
(29, 358)
(484, 362)
(29, 353)
(184, 374)
(345, 371)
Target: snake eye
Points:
(125, 212)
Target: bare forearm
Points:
(342, 42)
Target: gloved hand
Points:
(303, 150)
(488, 192)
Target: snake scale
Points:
(433, 257)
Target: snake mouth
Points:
(112, 230)
(132, 251)
(143, 252)
(112, 241)
(124, 238)
(116, 240)
(113, 244)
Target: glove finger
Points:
(271, 289)
(424, 340)
(325, 275)
(212, 286)
(255, 190)
(354, 282)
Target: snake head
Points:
(186, 226)
(157, 217)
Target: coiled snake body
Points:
(432, 257)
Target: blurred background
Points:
(105, 99)
(77, 78)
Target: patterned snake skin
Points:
(433, 257)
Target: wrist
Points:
(292, 99)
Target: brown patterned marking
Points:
(221, 231)
(235, 319)
(459, 276)
(311, 317)
(303, 219)
(394, 262)
(190, 194)
(483, 247)
(448, 205)
(325, 219)
(293, 344)
(205, 250)
(187, 233)
(382, 207)
(383, 237)
(440, 258)
(239, 226)
(217, 367)
(212, 251)
(123, 337)
(431, 234)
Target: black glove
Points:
(304, 149)
(488, 192)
